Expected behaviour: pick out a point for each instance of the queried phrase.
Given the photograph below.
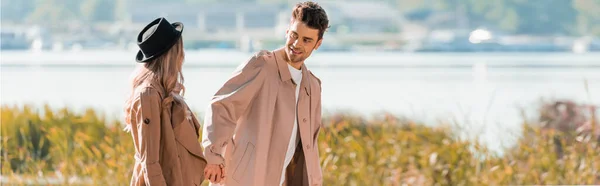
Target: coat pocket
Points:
(241, 167)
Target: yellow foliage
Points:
(85, 149)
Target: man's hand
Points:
(215, 173)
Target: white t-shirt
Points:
(294, 140)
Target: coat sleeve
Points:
(149, 126)
(228, 104)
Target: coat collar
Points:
(284, 72)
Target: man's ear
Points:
(318, 44)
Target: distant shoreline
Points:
(232, 58)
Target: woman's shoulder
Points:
(147, 92)
(145, 99)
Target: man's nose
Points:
(297, 43)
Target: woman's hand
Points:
(215, 173)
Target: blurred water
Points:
(482, 92)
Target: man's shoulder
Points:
(264, 54)
(263, 57)
(259, 59)
(257, 62)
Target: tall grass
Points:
(63, 148)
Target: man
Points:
(262, 125)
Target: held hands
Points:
(215, 173)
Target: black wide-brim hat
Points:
(157, 38)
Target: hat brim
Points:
(140, 56)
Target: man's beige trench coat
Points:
(249, 122)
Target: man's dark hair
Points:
(311, 14)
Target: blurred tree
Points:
(120, 9)
(408, 5)
(52, 12)
(588, 19)
(497, 14)
(98, 10)
(203, 1)
(515, 16)
(550, 17)
(570, 17)
(15, 10)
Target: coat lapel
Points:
(304, 108)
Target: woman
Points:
(164, 130)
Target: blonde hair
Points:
(165, 73)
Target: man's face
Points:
(301, 41)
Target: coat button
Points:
(307, 146)
(147, 121)
(304, 120)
